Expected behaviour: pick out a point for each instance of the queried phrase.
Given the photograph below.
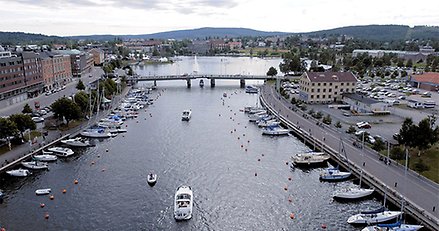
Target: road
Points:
(414, 187)
(48, 100)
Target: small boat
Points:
(310, 159)
(224, 94)
(45, 157)
(152, 179)
(398, 226)
(19, 172)
(43, 191)
(62, 152)
(186, 115)
(201, 83)
(251, 89)
(35, 165)
(374, 218)
(96, 133)
(275, 131)
(353, 193)
(334, 174)
(183, 203)
(77, 142)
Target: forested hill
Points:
(7, 38)
(382, 32)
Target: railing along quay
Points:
(395, 197)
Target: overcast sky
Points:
(85, 17)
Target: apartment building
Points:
(325, 87)
(81, 62)
(57, 70)
(98, 56)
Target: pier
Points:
(419, 195)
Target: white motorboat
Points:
(251, 89)
(224, 94)
(43, 191)
(77, 142)
(35, 165)
(353, 193)
(373, 218)
(186, 115)
(96, 133)
(19, 172)
(183, 203)
(310, 158)
(266, 123)
(117, 130)
(334, 174)
(45, 157)
(62, 152)
(152, 179)
(275, 131)
(398, 226)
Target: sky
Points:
(119, 17)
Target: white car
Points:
(363, 124)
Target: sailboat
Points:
(354, 193)
(333, 173)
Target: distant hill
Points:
(382, 32)
(189, 34)
(27, 38)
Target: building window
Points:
(330, 84)
(341, 90)
(324, 89)
(318, 84)
(318, 89)
(312, 84)
(318, 96)
(312, 96)
(323, 96)
(336, 86)
(330, 90)
(324, 84)
(329, 96)
(342, 84)
(312, 90)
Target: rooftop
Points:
(360, 98)
(427, 77)
(331, 76)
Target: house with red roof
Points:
(428, 81)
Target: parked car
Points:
(363, 124)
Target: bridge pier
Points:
(212, 82)
(155, 83)
(188, 83)
(242, 83)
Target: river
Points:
(240, 178)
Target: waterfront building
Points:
(415, 56)
(326, 87)
(81, 62)
(57, 70)
(363, 104)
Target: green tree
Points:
(351, 129)
(338, 124)
(407, 133)
(318, 115)
(23, 122)
(65, 108)
(378, 145)
(426, 134)
(7, 128)
(80, 86)
(27, 109)
(327, 119)
(409, 63)
(272, 71)
(82, 100)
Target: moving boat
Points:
(152, 179)
(334, 174)
(310, 158)
(19, 172)
(373, 218)
(186, 115)
(183, 203)
(224, 94)
(77, 142)
(201, 83)
(398, 226)
(45, 157)
(43, 191)
(62, 152)
(35, 165)
(251, 89)
(275, 131)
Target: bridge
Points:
(189, 78)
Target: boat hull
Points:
(354, 194)
(183, 203)
(361, 219)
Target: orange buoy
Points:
(219, 114)
(76, 182)
(262, 154)
(46, 216)
(92, 162)
(64, 190)
(243, 134)
(238, 123)
(126, 125)
(259, 159)
(286, 162)
(42, 205)
(289, 178)
(245, 126)
(246, 149)
(51, 197)
(242, 146)
(292, 215)
(238, 138)
(99, 156)
(323, 226)
(230, 117)
(2, 229)
(103, 170)
(106, 150)
(137, 121)
(256, 174)
(290, 200)
(234, 129)
(285, 188)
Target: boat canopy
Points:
(396, 224)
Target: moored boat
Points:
(62, 152)
(45, 157)
(35, 165)
(398, 226)
(151, 179)
(373, 218)
(334, 174)
(183, 203)
(186, 115)
(19, 172)
(275, 131)
(310, 159)
(353, 193)
(43, 191)
(96, 133)
(77, 142)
